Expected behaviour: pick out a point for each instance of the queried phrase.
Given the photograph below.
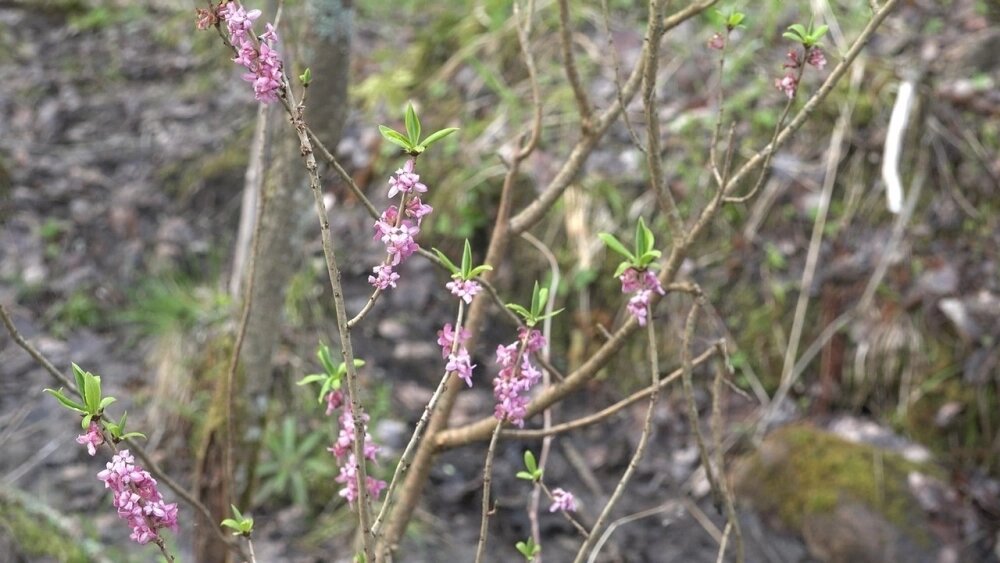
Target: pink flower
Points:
(464, 289)
(816, 58)
(384, 277)
(787, 84)
(345, 439)
(460, 363)
(406, 180)
(334, 400)
(512, 383)
(260, 58)
(137, 499)
(717, 42)
(446, 339)
(348, 478)
(562, 500)
(638, 306)
(793, 60)
(417, 209)
(93, 438)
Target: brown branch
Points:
(569, 64)
(609, 411)
(654, 161)
(487, 483)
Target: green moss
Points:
(801, 471)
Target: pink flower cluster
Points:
(517, 376)
(789, 83)
(459, 361)
(349, 478)
(397, 230)
(257, 55)
(137, 499)
(464, 289)
(643, 284)
(93, 438)
(341, 450)
(562, 500)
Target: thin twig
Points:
(640, 450)
(404, 461)
(692, 406)
(347, 351)
(487, 482)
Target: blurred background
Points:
(128, 145)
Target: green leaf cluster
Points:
(92, 404)
(410, 142)
(732, 19)
(529, 549)
(467, 271)
(291, 460)
(807, 36)
(531, 472)
(643, 254)
(333, 374)
(539, 297)
(242, 525)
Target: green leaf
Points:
(479, 270)
(323, 353)
(525, 475)
(529, 461)
(359, 363)
(412, 125)
(447, 262)
(66, 401)
(621, 268)
(798, 29)
(395, 137)
(437, 136)
(549, 315)
(92, 384)
(312, 378)
(792, 36)
(543, 300)
(735, 19)
(818, 33)
(466, 260)
(85, 423)
(613, 243)
(535, 300)
(519, 310)
(236, 512)
(106, 401)
(80, 375)
(121, 421)
(133, 435)
(230, 523)
(306, 77)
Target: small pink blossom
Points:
(345, 439)
(464, 289)
(816, 58)
(446, 339)
(562, 500)
(638, 306)
(348, 478)
(384, 277)
(460, 363)
(334, 400)
(787, 84)
(717, 42)
(793, 60)
(93, 438)
(259, 57)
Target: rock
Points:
(851, 502)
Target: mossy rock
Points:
(31, 531)
(850, 502)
